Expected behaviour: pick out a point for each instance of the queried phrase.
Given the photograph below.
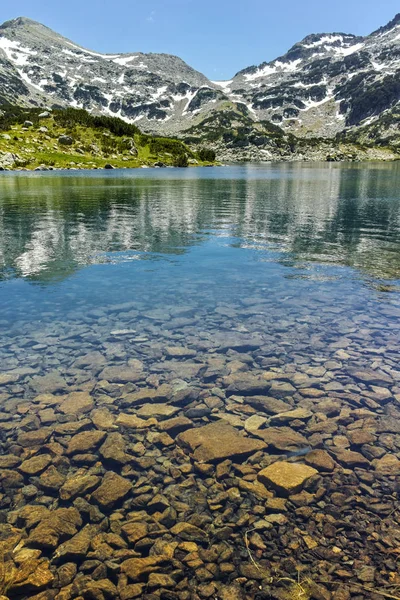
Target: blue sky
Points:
(217, 37)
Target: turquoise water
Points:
(317, 248)
(264, 298)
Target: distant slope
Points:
(328, 84)
(72, 138)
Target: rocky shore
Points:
(170, 464)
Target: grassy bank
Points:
(33, 138)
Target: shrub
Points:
(206, 155)
(181, 161)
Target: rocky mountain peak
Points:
(395, 22)
(323, 84)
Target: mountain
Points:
(325, 82)
(38, 66)
(328, 84)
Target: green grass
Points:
(97, 141)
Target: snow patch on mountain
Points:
(15, 52)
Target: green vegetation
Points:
(382, 132)
(366, 101)
(72, 138)
(206, 155)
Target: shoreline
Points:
(227, 164)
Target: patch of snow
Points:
(189, 95)
(369, 121)
(312, 103)
(326, 39)
(111, 56)
(289, 66)
(225, 85)
(16, 53)
(99, 79)
(27, 80)
(276, 67)
(121, 78)
(264, 72)
(349, 50)
(377, 66)
(124, 60)
(160, 92)
(300, 84)
(68, 52)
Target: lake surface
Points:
(237, 293)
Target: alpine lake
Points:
(200, 383)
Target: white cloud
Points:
(151, 17)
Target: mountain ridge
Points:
(324, 85)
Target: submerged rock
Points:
(286, 478)
(218, 441)
(112, 490)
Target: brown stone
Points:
(157, 411)
(286, 478)
(113, 489)
(61, 522)
(35, 465)
(31, 576)
(352, 459)
(134, 422)
(78, 485)
(189, 532)
(77, 547)
(282, 438)
(387, 465)
(77, 403)
(320, 460)
(176, 425)
(124, 373)
(114, 449)
(51, 480)
(137, 568)
(34, 438)
(103, 419)
(87, 441)
(267, 404)
(218, 441)
(134, 531)
(286, 417)
(146, 395)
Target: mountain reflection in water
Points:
(52, 225)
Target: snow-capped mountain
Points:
(41, 67)
(325, 83)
